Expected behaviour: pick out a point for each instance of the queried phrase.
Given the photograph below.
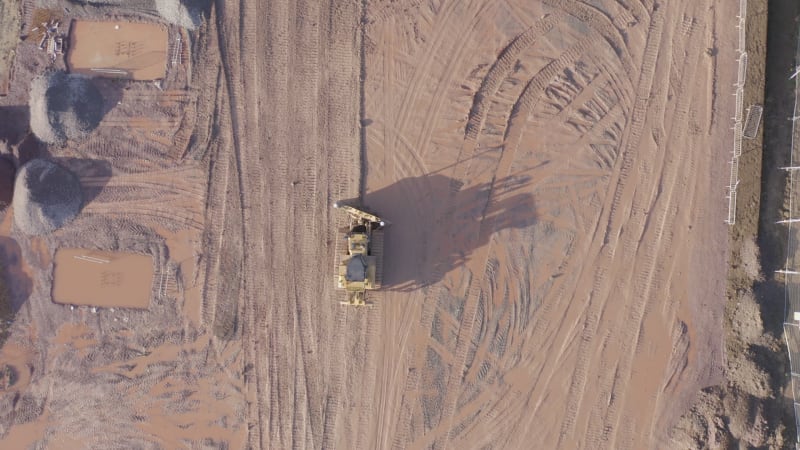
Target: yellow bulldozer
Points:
(360, 267)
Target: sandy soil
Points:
(553, 171)
(9, 20)
(137, 50)
(753, 407)
(541, 165)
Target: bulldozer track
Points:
(605, 170)
(500, 70)
(454, 57)
(629, 153)
(288, 385)
(448, 14)
(600, 24)
(377, 252)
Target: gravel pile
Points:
(64, 106)
(182, 13)
(46, 197)
(7, 171)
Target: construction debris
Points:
(51, 42)
(46, 197)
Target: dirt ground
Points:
(753, 407)
(555, 270)
(551, 170)
(9, 20)
(540, 167)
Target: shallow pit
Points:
(102, 279)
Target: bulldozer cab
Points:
(356, 269)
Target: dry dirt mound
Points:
(64, 106)
(47, 196)
(184, 13)
(180, 12)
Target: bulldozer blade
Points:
(377, 252)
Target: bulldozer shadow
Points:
(437, 223)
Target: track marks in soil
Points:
(597, 297)
(171, 198)
(605, 190)
(600, 24)
(500, 70)
(441, 29)
(295, 151)
(412, 381)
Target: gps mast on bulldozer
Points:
(361, 267)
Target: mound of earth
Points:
(187, 14)
(8, 376)
(184, 13)
(64, 106)
(46, 197)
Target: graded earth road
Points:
(553, 171)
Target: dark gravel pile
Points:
(46, 197)
(7, 172)
(64, 106)
(183, 13)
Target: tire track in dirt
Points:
(679, 120)
(524, 105)
(415, 331)
(216, 199)
(635, 9)
(461, 351)
(229, 29)
(343, 173)
(367, 380)
(529, 100)
(599, 287)
(577, 306)
(553, 302)
(307, 48)
(649, 278)
(500, 70)
(519, 13)
(520, 111)
(279, 374)
(419, 149)
(440, 39)
(387, 12)
(484, 12)
(387, 312)
(410, 330)
(688, 177)
(390, 133)
(294, 374)
(602, 26)
(441, 32)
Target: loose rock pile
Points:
(64, 106)
(46, 197)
